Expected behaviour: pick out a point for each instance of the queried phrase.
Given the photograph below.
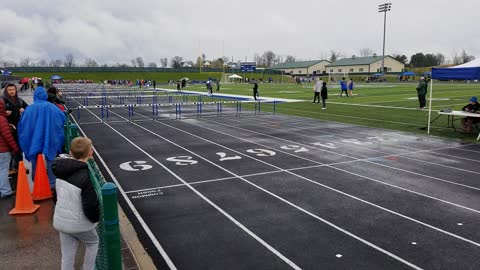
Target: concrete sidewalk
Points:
(29, 241)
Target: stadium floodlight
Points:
(384, 8)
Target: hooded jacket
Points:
(13, 104)
(77, 208)
(7, 142)
(40, 129)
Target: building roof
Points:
(357, 61)
(301, 64)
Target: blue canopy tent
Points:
(55, 77)
(467, 71)
(377, 74)
(408, 73)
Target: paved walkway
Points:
(30, 241)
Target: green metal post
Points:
(111, 226)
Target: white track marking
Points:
(144, 225)
(316, 128)
(232, 219)
(369, 159)
(274, 195)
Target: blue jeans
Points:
(5, 188)
(51, 176)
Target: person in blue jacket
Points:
(40, 131)
(343, 87)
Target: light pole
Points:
(384, 8)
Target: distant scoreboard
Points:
(248, 66)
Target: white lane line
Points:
(233, 177)
(231, 218)
(315, 128)
(272, 194)
(144, 225)
(368, 160)
(365, 177)
(344, 193)
(203, 181)
(276, 196)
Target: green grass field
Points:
(389, 106)
(384, 105)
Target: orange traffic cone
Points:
(23, 201)
(41, 185)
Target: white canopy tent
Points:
(231, 78)
(235, 76)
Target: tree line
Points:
(266, 60)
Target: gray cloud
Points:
(118, 31)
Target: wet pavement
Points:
(29, 241)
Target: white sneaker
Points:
(324, 108)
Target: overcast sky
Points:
(112, 31)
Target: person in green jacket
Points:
(422, 92)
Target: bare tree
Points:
(440, 59)
(278, 60)
(42, 63)
(69, 60)
(218, 63)
(176, 62)
(257, 59)
(290, 59)
(334, 55)
(164, 62)
(90, 62)
(7, 63)
(55, 63)
(465, 57)
(456, 59)
(152, 65)
(134, 62)
(140, 62)
(365, 52)
(25, 62)
(268, 58)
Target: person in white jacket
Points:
(77, 209)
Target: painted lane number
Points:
(183, 160)
(262, 152)
(134, 166)
(223, 156)
(297, 148)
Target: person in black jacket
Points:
(77, 207)
(473, 107)
(14, 107)
(324, 94)
(255, 89)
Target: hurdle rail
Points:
(179, 108)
